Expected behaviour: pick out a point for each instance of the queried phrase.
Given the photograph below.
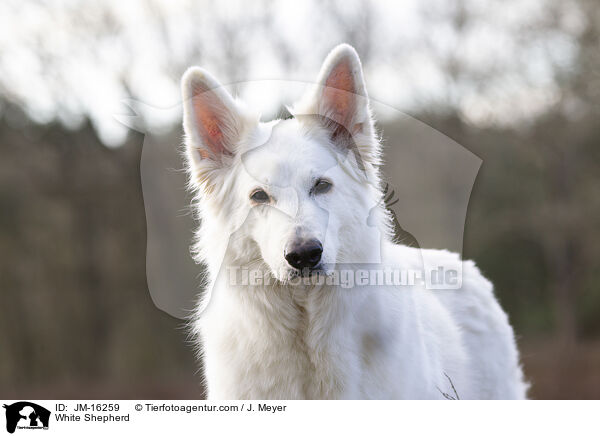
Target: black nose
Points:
(305, 255)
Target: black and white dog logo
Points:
(26, 415)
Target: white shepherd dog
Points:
(295, 203)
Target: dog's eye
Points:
(259, 196)
(321, 186)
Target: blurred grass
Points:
(562, 372)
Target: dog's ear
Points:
(211, 118)
(214, 124)
(340, 98)
(343, 95)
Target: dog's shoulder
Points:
(471, 299)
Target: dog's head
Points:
(290, 194)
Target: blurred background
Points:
(516, 82)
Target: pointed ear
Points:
(340, 96)
(211, 119)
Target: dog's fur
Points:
(284, 340)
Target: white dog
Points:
(295, 203)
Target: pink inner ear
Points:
(210, 114)
(338, 95)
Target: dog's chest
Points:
(294, 353)
(299, 370)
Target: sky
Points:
(67, 60)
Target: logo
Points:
(26, 415)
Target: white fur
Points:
(286, 341)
